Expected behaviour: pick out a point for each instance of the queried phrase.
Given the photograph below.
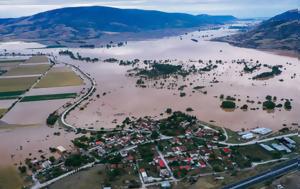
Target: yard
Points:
(16, 84)
(28, 70)
(60, 77)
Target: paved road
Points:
(90, 91)
(277, 171)
(258, 141)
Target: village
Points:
(160, 153)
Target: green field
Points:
(37, 59)
(5, 61)
(48, 97)
(16, 84)
(60, 78)
(10, 95)
(28, 70)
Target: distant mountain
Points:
(282, 32)
(81, 23)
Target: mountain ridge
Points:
(280, 32)
(80, 23)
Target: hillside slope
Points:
(281, 32)
(81, 23)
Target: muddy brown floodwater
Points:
(124, 99)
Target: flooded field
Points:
(117, 95)
(122, 98)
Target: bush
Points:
(228, 104)
(169, 111)
(269, 105)
(22, 169)
(52, 118)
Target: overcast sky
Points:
(238, 8)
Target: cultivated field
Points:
(28, 70)
(37, 59)
(60, 77)
(16, 84)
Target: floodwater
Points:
(122, 98)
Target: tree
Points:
(22, 169)
(52, 159)
(228, 104)
(154, 135)
(269, 105)
(169, 111)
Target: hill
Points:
(81, 23)
(280, 32)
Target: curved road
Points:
(84, 97)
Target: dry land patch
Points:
(16, 84)
(60, 77)
(9, 178)
(37, 59)
(28, 70)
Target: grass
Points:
(94, 178)
(2, 111)
(233, 137)
(57, 78)
(9, 178)
(48, 97)
(10, 95)
(28, 70)
(210, 182)
(37, 59)
(255, 152)
(4, 61)
(16, 84)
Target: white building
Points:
(248, 136)
(266, 147)
(262, 131)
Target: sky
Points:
(238, 8)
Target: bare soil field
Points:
(27, 70)
(16, 84)
(60, 77)
(37, 59)
(290, 181)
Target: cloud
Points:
(240, 8)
